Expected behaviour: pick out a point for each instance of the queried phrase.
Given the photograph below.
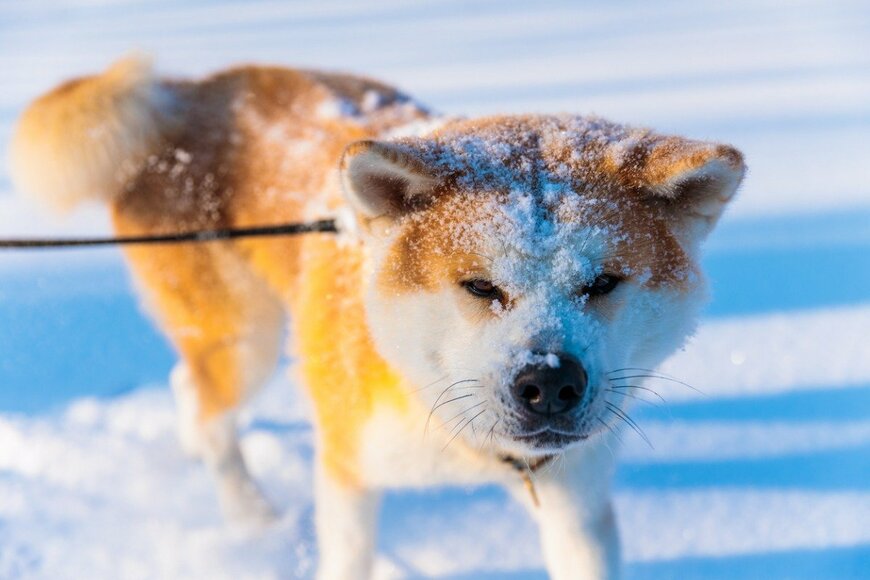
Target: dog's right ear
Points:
(385, 179)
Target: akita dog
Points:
(495, 283)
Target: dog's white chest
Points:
(396, 450)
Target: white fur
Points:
(463, 428)
(435, 343)
(399, 451)
(575, 516)
(346, 522)
(187, 408)
(577, 525)
(574, 513)
(240, 498)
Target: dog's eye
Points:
(603, 284)
(481, 288)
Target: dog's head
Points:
(519, 264)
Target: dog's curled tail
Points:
(87, 137)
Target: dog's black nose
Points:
(549, 390)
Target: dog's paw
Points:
(190, 441)
(244, 506)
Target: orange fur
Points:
(90, 135)
(348, 379)
(258, 146)
(227, 163)
(201, 304)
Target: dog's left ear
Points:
(385, 179)
(693, 181)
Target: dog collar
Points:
(526, 469)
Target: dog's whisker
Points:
(635, 397)
(615, 434)
(618, 390)
(435, 407)
(464, 411)
(676, 381)
(650, 374)
(468, 422)
(444, 424)
(610, 428)
(630, 369)
(473, 430)
(629, 421)
(453, 385)
(642, 370)
(432, 384)
(490, 434)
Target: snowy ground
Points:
(767, 474)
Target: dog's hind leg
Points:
(227, 328)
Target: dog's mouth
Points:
(549, 439)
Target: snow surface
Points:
(765, 473)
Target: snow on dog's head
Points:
(518, 262)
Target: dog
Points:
(494, 283)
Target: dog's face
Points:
(522, 266)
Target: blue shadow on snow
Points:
(843, 563)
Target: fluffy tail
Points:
(86, 138)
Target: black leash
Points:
(326, 226)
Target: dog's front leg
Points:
(579, 538)
(346, 522)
